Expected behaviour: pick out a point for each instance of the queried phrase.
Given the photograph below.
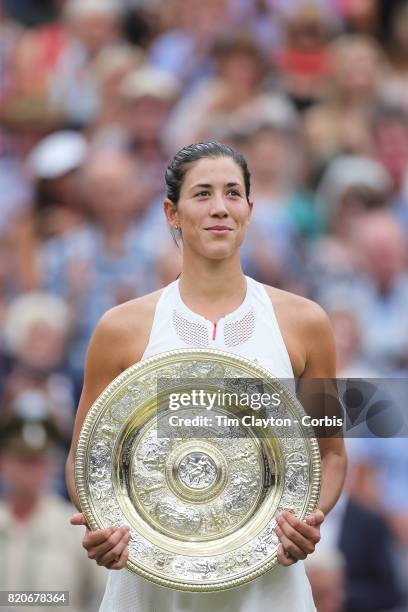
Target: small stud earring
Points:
(176, 227)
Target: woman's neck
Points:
(213, 288)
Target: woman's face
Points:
(212, 212)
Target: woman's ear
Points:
(170, 210)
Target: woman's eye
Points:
(234, 193)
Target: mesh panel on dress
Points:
(190, 332)
(238, 332)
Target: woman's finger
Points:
(121, 562)
(309, 532)
(289, 546)
(315, 519)
(306, 545)
(95, 538)
(78, 519)
(115, 553)
(283, 558)
(98, 550)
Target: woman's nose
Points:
(218, 205)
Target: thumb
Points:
(315, 518)
(78, 519)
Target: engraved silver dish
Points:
(202, 502)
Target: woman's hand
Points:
(108, 547)
(297, 538)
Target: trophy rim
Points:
(81, 457)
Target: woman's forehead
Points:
(213, 170)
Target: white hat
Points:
(150, 82)
(29, 309)
(347, 171)
(58, 154)
(83, 8)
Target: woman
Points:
(214, 305)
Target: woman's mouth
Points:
(219, 230)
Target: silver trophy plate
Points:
(201, 500)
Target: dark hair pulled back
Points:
(181, 162)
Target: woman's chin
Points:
(213, 251)
(219, 253)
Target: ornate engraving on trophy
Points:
(197, 470)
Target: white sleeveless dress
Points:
(251, 331)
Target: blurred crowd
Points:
(95, 97)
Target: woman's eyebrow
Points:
(209, 186)
(201, 186)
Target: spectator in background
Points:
(350, 363)
(54, 165)
(184, 50)
(111, 67)
(9, 36)
(15, 196)
(30, 13)
(35, 335)
(261, 19)
(270, 247)
(144, 20)
(396, 89)
(7, 291)
(92, 26)
(55, 206)
(15, 189)
(35, 60)
(235, 93)
(390, 132)
(351, 187)
(340, 124)
(303, 60)
(325, 570)
(366, 269)
(147, 96)
(380, 467)
(40, 551)
(27, 58)
(382, 289)
(366, 580)
(361, 15)
(106, 261)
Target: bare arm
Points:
(321, 364)
(299, 538)
(102, 366)
(118, 341)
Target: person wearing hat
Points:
(54, 164)
(53, 167)
(148, 96)
(39, 552)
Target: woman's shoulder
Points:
(299, 310)
(134, 312)
(126, 328)
(307, 332)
